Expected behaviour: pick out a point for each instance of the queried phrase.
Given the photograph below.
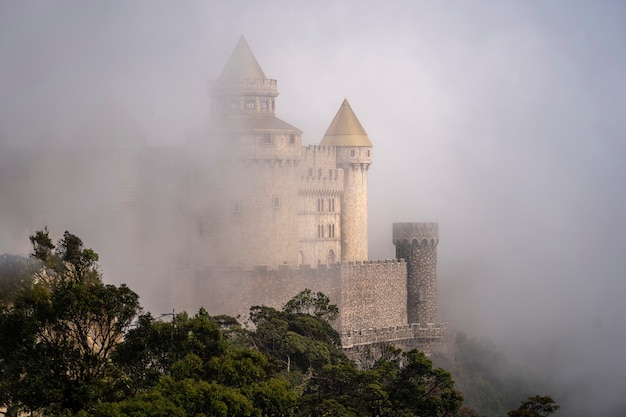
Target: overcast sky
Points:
(503, 121)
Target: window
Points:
(331, 257)
(236, 206)
(276, 201)
(250, 104)
(352, 153)
(264, 104)
(369, 153)
(330, 173)
(320, 204)
(320, 231)
(319, 173)
(310, 172)
(267, 138)
(292, 139)
(331, 204)
(331, 230)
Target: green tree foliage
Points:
(58, 334)
(317, 305)
(16, 273)
(537, 406)
(73, 346)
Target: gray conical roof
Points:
(242, 65)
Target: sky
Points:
(502, 121)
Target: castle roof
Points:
(258, 122)
(345, 129)
(242, 65)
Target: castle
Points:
(242, 215)
(287, 217)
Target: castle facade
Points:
(290, 217)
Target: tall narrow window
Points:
(331, 204)
(276, 201)
(236, 206)
(352, 153)
(331, 257)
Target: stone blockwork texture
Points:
(368, 294)
(373, 294)
(417, 244)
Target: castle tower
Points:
(256, 222)
(417, 244)
(354, 156)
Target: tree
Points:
(317, 305)
(424, 390)
(58, 335)
(16, 273)
(537, 406)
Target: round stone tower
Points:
(417, 244)
(354, 156)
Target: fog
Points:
(502, 121)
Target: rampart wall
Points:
(369, 294)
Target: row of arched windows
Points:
(325, 231)
(331, 204)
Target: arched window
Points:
(331, 257)
(300, 258)
(352, 153)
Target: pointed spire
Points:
(345, 129)
(242, 65)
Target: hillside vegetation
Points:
(74, 346)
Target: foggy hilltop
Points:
(501, 122)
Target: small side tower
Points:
(417, 244)
(354, 157)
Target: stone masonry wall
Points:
(368, 294)
(373, 294)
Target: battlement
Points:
(414, 331)
(416, 234)
(320, 149)
(376, 262)
(239, 86)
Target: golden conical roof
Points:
(345, 129)
(242, 65)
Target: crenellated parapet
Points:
(424, 234)
(244, 86)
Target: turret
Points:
(354, 157)
(417, 244)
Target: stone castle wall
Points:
(373, 294)
(368, 294)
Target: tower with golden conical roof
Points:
(354, 157)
